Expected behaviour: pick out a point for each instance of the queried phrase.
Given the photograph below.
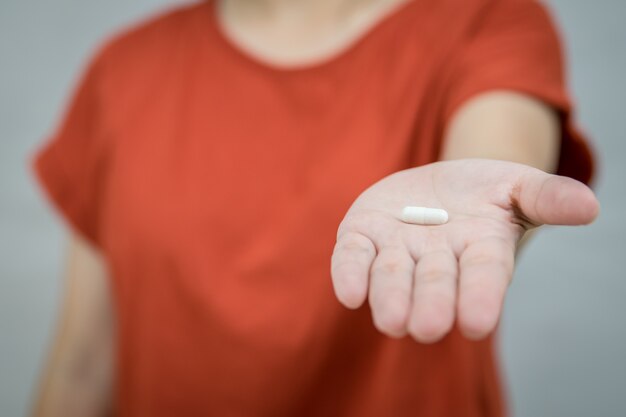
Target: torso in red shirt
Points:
(214, 185)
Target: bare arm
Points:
(506, 126)
(78, 375)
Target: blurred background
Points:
(563, 335)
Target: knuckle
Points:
(433, 273)
(386, 267)
(479, 258)
(356, 248)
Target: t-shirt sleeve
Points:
(514, 46)
(71, 165)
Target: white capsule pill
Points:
(424, 215)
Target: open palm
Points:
(419, 279)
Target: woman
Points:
(215, 157)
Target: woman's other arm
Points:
(78, 375)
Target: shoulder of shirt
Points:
(466, 17)
(473, 9)
(149, 37)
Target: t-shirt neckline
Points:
(326, 63)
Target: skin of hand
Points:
(419, 279)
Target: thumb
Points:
(551, 199)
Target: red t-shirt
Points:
(214, 183)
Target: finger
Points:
(434, 296)
(486, 269)
(551, 199)
(391, 279)
(350, 266)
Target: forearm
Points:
(73, 389)
(506, 126)
(78, 375)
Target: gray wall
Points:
(563, 335)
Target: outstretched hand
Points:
(420, 279)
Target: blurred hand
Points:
(419, 279)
